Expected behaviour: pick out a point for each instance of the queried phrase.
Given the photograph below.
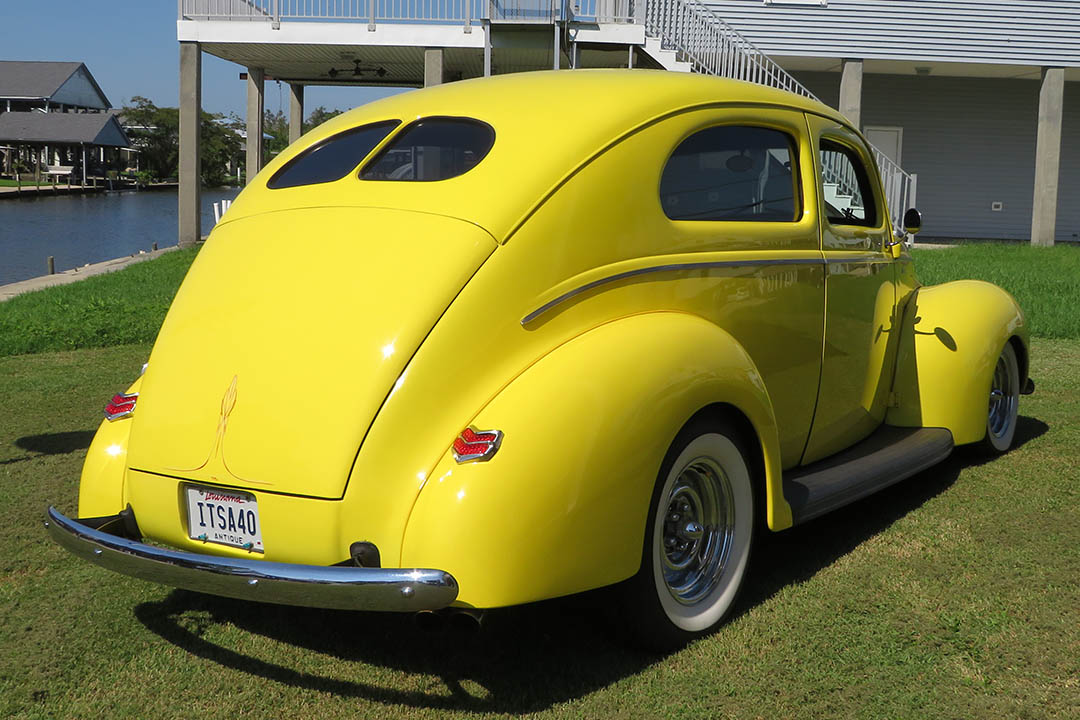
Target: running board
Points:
(888, 456)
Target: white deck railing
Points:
(525, 11)
(370, 11)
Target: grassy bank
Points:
(951, 595)
(118, 308)
(1045, 281)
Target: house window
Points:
(732, 172)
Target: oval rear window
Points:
(333, 158)
(437, 148)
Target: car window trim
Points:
(798, 191)
(879, 206)
(378, 150)
(395, 123)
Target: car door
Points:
(860, 292)
(737, 189)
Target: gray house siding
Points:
(1036, 32)
(972, 143)
(80, 89)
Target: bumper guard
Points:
(337, 587)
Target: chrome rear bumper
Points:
(342, 588)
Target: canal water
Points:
(81, 229)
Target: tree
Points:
(320, 115)
(276, 126)
(155, 132)
(222, 148)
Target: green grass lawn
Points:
(117, 308)
(1045, 281)
(45, 180)
(951, 595)
(955, 594)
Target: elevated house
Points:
(54, 114)
(967, 103)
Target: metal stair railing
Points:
(712, 47)
(838, 170)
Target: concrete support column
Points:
(851, 91)
(433, 66)
(487, 49)
(1047, 157)
(190, 143)
(556, 60)
(255, 106)
(296, 112)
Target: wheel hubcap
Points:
(698, 530)
(1002, 400)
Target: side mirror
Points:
(912, 221)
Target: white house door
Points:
(889, 140)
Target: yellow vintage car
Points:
(515, 338)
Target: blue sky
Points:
(130, 47)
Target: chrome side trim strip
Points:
(659, 269)
(340, 588)
(875, 259)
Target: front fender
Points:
(562, 506)
(951, 337)
(101, 486)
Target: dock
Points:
(28, 191)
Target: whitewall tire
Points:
(698, 538)
(1004, 402)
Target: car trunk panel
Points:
(286, 337)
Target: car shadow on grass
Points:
(523, 659)
(60, 443)
(796, 555)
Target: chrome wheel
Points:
(698, 530)
(1004, 401)
(697, 544)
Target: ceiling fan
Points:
(357, 71)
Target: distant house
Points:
(54, 115)
(49, 87)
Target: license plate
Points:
(227, 517)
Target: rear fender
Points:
(562, 505)
(101, 486)
(951, 337)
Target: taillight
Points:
(476, 444)
(121, 405)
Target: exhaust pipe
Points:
(429, 621)
(459, 620)
(465, 620)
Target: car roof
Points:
(546, 125)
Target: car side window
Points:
(848, 194)
(333, 158)
(436, 148)
(732, 172)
